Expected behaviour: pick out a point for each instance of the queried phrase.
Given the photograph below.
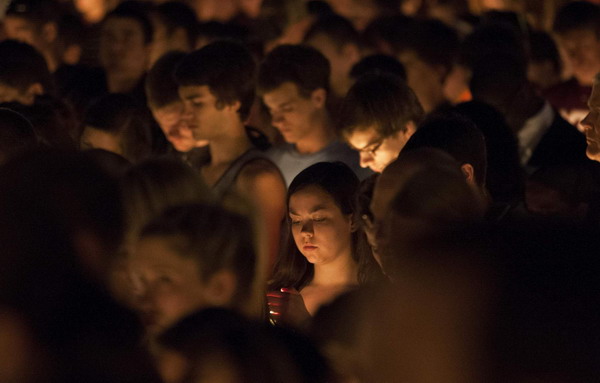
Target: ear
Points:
(50, 32)
(411, 128)
(351, 52)
(32, 92)
(469, 172)
(220, 288)
(354, 225)
(319, 97)
(72, 54)
(235, 106)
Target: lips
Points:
(309, 247)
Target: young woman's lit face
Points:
(168, 285)
(321, 231)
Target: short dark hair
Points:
(227, 68)
(21, 66)
(174, 15)
(119, 114)
(383, 101)
(577, 15)
(215, 238)
(378, 63)
(38, 12)
(432, 41)
(457, 136)
(137, 11)
(16, 134)
(302, 65)
(161, 87)
(339, 29)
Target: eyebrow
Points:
(195, 95)
(314, 210)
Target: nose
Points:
(586, 123)
(365, 159)
(307, 229)
(276, 120)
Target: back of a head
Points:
(16, 134)
(249, 351)
(457, 136)
(382, 101)
(335, 27)
(378, 64)
(154, 185)
(22, 66)
(227, 68)
(504, 178)
(577, 15)
(216, 239)
(301, 65)
(433, 42)
(119, 115)
(161, 88)
(489, 40)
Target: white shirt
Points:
(532, 132)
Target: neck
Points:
(122, 82)
(321, 136)
(230, 145)
(341, 272)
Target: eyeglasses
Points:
(372, 148)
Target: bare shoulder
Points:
(260, 171)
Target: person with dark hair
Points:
(577, 30)
(16, 134)
(504, 176)
(459, 137)
(378, 116)
(428, 52)
(125, 46)
(293, 82)
(544, 69)
(219, 345)
(377, 64)
(326, 252)
(192, 257)
(116, 123)
(60, 224)
(175, 28)
(35, 22)
(336, 38)
(216, 84)
(545, 138)
(162, 93)
(23, 73)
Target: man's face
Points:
(591, 125)
(582, 48)
(204, 117)
(377, 152)
(123, 47)
(424, 79)
(341, 59)
(175, 128)
(292, 114)
(168, 286)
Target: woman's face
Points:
(321, 231)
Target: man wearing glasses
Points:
(378, 116)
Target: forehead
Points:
(310, 197)
(362, 137)
(286, 92)
(578, 36)
(157, 252)
(122, 25)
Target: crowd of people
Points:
(299, 191)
